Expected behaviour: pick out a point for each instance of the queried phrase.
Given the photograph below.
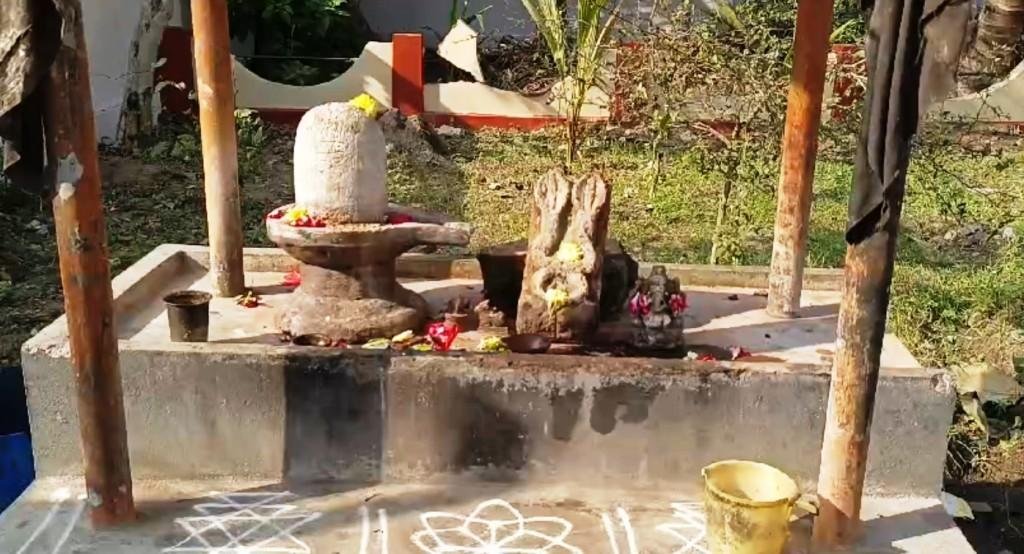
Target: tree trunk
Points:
(993, 53)
(138, 116)
(562, 279)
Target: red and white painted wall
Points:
(391, 72)
(147, 45)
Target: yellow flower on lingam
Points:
(569, 252)
(295, 214)
(556, 298)
(366, 103)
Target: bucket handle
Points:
(807, 504)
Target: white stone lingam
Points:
(349, 290)
(341, 165)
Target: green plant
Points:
(276, 21)
(726, 80)
(460, 12)
(848, 23)
(579, 57)
(297, 41)
(252, 139)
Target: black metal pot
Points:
(188, 315)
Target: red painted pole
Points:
(85, 277)
(216, 90)
(799, 151)
(407, 73)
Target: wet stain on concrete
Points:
(493, 437)
(623, 402)
(333, 419)
(565, 412)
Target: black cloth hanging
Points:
(912, 49)
(30, 36)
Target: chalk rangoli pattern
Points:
(494, 527)
(381, 531)
(627, 531)
(689, 526)
(37, 540)
(244, 523)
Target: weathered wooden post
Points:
(799, 151)
(216, 90)
(85, 275)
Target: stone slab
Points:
(236, 516)
(719, 316)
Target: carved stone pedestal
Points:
(349, 290)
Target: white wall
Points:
(110, 27)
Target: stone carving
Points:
(502, 267)
(561, 288)
(341, 165)
(656, 306)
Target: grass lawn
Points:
(959, 287)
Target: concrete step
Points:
(440, 517)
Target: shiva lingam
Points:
(345, 235)
(656, 305)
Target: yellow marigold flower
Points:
(377, 344)
(491, 344)
(366, 103)
(403, 336)
(569, 252)
(295, 214)
(556, 298)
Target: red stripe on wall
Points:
(407, 73)
(176, 49)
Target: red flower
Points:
(399, 218)
(442, 335)
(677, 303)
(707, 358)
(292, 279)
(277, 213)
(640, 305)
(739, 352)
(248, 300)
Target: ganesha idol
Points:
(656, 305)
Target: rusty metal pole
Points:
(799, 150)
(851, 399)
(216, 90)
(85, 276)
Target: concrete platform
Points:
(233, 517)
(718, 317)
(572, 436)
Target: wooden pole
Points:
(216, 91)
(85, 276)
(799, 150)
